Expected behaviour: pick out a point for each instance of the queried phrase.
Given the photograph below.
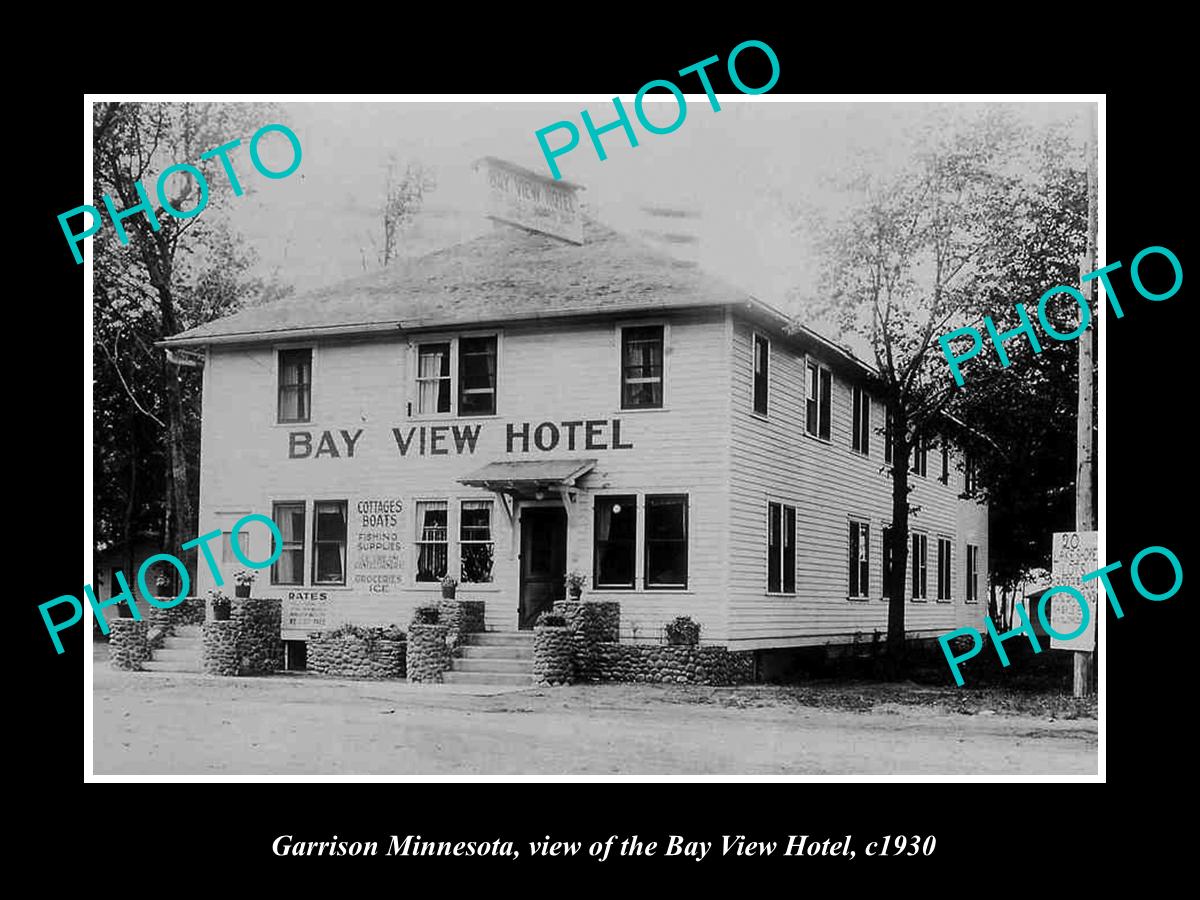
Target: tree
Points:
(147, 402)
(926, 248)
(404, 194)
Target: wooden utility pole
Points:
(1085, 452)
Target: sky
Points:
(742, 170)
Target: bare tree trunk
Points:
(899, 541)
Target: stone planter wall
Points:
(248, 642)
(128, 646)
(355, 657)
(460, 617)
(428, 653)
(591, 623)
(260, 649)
(662, 664)
(221, 648)
(554, 650)
(190, 611)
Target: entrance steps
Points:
(493, 657)
(182, 653)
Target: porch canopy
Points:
(529, 479)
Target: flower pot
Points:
(221, 612)
(241, 590)
(575, 592)
(448, 593)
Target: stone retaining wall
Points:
(662, 664)
(355, 657)
(189, 611)
(128, 646)
(248, 642)
(591, 623)
(221, 647)
(428, 653)
(460, 617)
(554, 651)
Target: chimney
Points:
(520, 197)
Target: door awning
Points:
(526, 477)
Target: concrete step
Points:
(168, 654)
(498, 638)
(184, 643)
(188, 631)
(486, 678)
(497, 651)
(172, 665)
(511, 666)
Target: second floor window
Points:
(920, 455)
(970, 476)
(945, 476)
(861, 440)
(762, 362)
(818, 405)
(477, 376)
(433, 378)
(642, 367)
(295, 385)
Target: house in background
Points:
(555, 396)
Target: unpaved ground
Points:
(155, 723)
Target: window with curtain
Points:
(476, 548)
(329, 542)
(289, 568)
(433, 378)
(615, 542)
(642, 367)
(920, 569)
(666, 557)
(943, 584)
(860, 559)
(762, 362)
(477, 376)
(295, 385)
(781, 548)
(432, 534)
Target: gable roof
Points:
(505, 275)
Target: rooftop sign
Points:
(523, 198)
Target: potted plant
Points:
(221, 606)
(575, 582)
(243, 580)
(683, 632)
(162, 583)
(449, 587)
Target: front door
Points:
(543, 561)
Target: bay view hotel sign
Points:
(554, 396)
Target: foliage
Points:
(683, 631)
(551, 620)
(985, 213)
(244, 577)
(449, 582)
(368, 633)
(426, 615)
(403, 196)
(190, 271)
(576, 581)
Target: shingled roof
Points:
(505, 275)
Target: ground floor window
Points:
(972, 573)
(614, 538)
(666, 555)
(476, 548)
(860, 559)
(943, 583)
(888, 561)
(289, 568)
(781, 548)
(432, 540)
(920, 569)
(329, 542)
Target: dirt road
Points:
(154, 723)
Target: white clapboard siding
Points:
(828, 483)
